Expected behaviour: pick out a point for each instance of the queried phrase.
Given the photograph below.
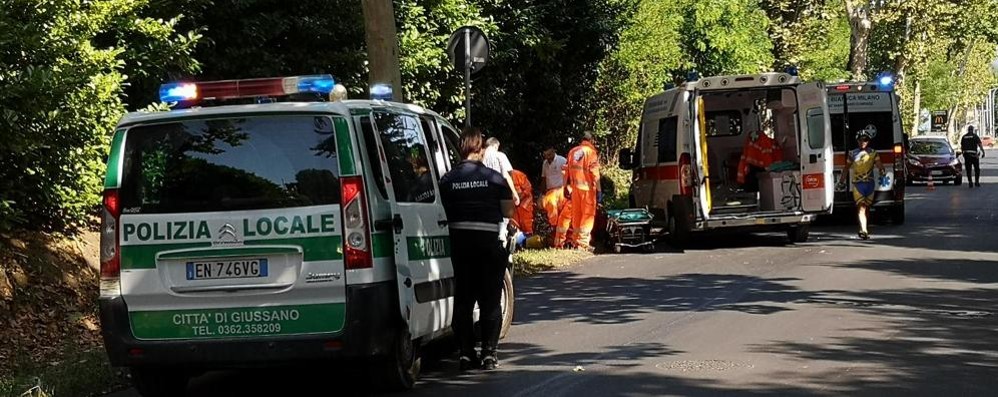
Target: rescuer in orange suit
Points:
(524, 215)
(583, 189)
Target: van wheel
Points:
(679, 226)
(799, 233)
(399, 371)
(506, 302)
(159, 382)
(897, 214)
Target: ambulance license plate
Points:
(216, 270)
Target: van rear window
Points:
(843, 140)
(230, 164)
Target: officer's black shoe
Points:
(466, 363)
(490, 362)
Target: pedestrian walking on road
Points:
(582, 186)
(973, 151)
(860, 163)
(476, 199)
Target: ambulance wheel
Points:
(399, 371)
(159, 382)
(799, 233)
(679, 226)
(506, 302)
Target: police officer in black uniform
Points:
(476, 199)
(969, 144)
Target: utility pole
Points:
(382, 45)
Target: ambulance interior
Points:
(753, 154)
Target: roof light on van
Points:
(885, 80)
(792, 70)
(248, 88)
(178, 92)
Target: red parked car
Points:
(935, 157)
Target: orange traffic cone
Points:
(932, 186)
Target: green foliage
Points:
(62, 69)
(428, 77)
(725, 37)
(78, 373)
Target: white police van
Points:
(690, 162)
(255, 233)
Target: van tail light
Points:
(685, 175)
(110, 249)
(356, 236)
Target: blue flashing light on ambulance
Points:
(261, 223)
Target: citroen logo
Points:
(227, 230)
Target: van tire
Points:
(159, 382)
(799, 233)
(679, 224)
(508, 301)
(398, 371)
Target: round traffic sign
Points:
(468, 47)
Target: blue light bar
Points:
(885, 80)
(381, 92)
(178, 92)
(321, 83)
(792, 70)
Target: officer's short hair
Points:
(471, 141)
(970, 128)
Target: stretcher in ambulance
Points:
(745, 153)
(854, 106)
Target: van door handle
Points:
(814, 158)
(397, 223)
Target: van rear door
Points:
(230, 227)
(424, 272)
(700, 168)
(816, 148)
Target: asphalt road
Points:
(911, 312)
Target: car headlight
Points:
(914, 163)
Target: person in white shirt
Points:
(553, 170)
(498, 161)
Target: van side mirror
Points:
(626, 159)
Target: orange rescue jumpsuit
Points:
(582, 180)
(561, 219)
(523, 217)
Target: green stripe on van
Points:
(238, 322)
(421, 248)
(344, 147)
(229, 252)
(323, 248)
(111, 179)
(383, 245)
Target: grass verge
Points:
(530, 262)
(77, 374)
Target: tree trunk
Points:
(382, 45)
(917, 106)
(859, 42)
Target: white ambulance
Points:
(858, 105)
(746, 152)
(263, 224)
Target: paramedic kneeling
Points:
(476, 199)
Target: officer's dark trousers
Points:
(479, 266)
(971, 161)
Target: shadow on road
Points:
(602, 300)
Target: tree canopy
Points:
(69, 69)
